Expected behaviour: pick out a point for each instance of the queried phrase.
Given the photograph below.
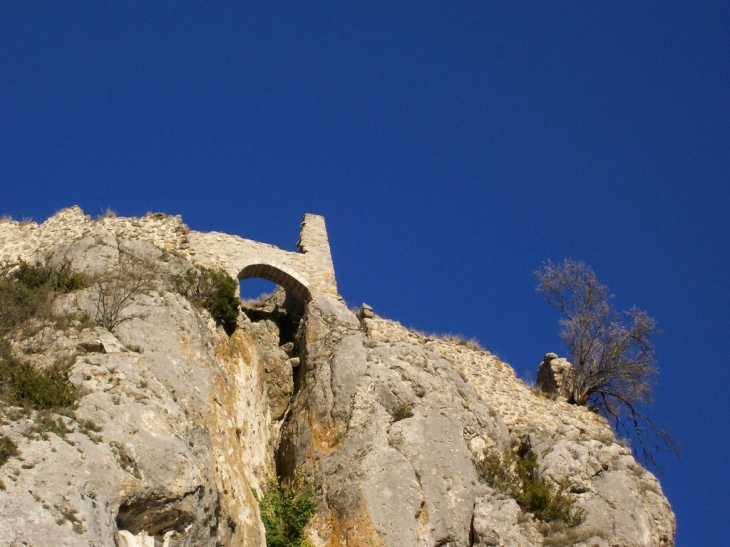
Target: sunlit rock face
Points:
(168, 438)
(179, 425)
(389, 422)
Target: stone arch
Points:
(279, 275)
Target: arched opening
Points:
(280, 313)
(277, 275)
(283, 307)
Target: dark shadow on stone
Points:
(283, 309)
(155, 513)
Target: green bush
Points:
(31, 276)
(213, 290)
(285, 511)
(18, 303)
(23, 384)
(27, 290)
(401, 412)
(8, 449)
(517, 477)
(60, 278)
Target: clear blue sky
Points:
(453, 147)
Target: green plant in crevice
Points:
(23, 384)
(27, 294)
(19, 302)
(38, 388)
(213, 290)
(27, 291)
(286, 509)
(401, 412)
(516, 476)
(8, 449)
(59, 277)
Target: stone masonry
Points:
(306, 274)
(497, 384)
(553, 376)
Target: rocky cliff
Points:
(179, 424)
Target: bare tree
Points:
(612, 354)
(115, 289)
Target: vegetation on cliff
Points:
(516, 475)
(213, 290)
(27, 292)
(286, 508)
(612, 354)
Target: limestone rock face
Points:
(497, 523)
(388, 423)
(168, 438)
(385, 430)
(178, 424)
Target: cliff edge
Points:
(178, 423)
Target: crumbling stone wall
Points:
(553, 376)
(306, 273)
(497, 383)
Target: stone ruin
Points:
(307, 273)
(553, 376)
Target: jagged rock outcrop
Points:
(178, 423)
(553, 376)
(167, 439)
(392, 477)
(388, 432)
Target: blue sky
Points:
(452, 147)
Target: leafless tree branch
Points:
(115, 289)
(612, 354)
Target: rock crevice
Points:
(178, 426)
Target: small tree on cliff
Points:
(612, 355)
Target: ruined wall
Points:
(178, 423)
(306, 273)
